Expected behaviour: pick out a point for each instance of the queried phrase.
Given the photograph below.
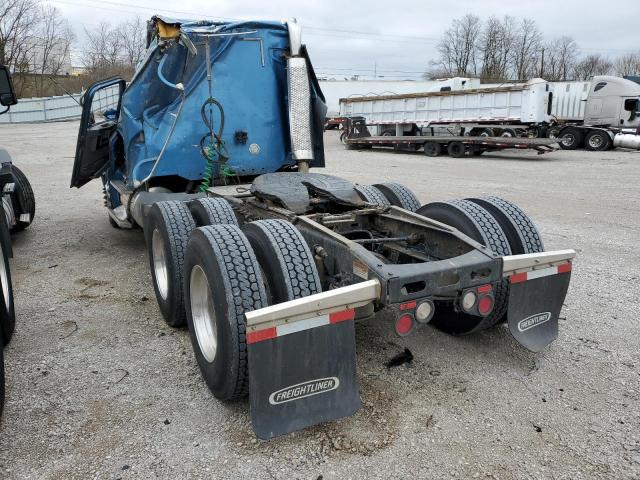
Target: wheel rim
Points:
(568, 140)
(507, 134)
(5, 283)
(202, 313)
(595, 141)
(160, 264)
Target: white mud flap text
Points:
(535, 301)
(302, 374)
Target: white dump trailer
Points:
(508, 110)
(334, 90)
(598, 114)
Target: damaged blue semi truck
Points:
(208, 150)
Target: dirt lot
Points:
(100, 387)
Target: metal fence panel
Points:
(48, 109)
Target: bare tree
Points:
(628, 64)
(53, 46)
(560, 57)
(592, 65)
(526, 49)
(134, 37)
(457, 48)
(102, 51)
(496, 47)
(18, 20)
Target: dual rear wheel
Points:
(208, 272)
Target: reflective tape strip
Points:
(544, 272)
(299, 326)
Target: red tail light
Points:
(404, 325)
(485, 305)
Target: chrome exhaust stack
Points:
(299, 92)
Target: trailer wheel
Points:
(597, 141)
(212, 211)
(7, 310)
(399, 195)
(288, 266)
(571, 138)
(520, 230)
(508, 133)
(432, 149)
(222, 282)
(24, 202)
(167, 230)
(456, 149)
(476, 222)
(553, 132)
(371, 194)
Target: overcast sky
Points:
(398, 37)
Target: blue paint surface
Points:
(248, 79)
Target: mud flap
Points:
(535, 301)
(302, 373)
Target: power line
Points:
(335, 32)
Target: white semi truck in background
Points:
(596, 115)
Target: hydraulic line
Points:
(215, 151)
(215, 147)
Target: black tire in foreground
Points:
(212, 211)
(167, 230)
(571, 138)
(456, 149)
(288, 266)
(7, 311)
(1, 375)
(432, 149)
(222, 282)
(399, 195)
(477, 223)
(372, 195)
(23, 199)
(597, 141)
(520, 230)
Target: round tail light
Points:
(404, 325)
(485, 305)
(424, 311)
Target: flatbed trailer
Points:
(357, 135)
(455, 146)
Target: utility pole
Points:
(375, 70)
(542, 64)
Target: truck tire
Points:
(288, 267)
(456, 149)
(212, 211)
(167, 229)
(597, 141)
(24, 202)
(571, 138)
(371, 194)
(553, 132)
(520, 230)
(432, 149)
(476, 222)
(1, 375)
(399, 195)
(222, 282)
(508, 133)
(7, 310)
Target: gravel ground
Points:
(100, 387)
